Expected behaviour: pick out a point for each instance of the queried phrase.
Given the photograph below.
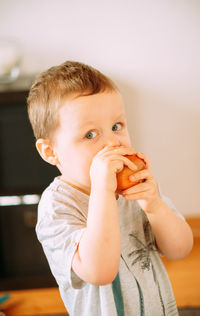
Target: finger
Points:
(141, 175)
(124, 162)
(129, 163)
(105, 149)
(140, 187)
(144, 157)
(121, 150)
(136, 196)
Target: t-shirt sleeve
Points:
(59, 228)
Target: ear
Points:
(46, 151)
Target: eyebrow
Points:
(120, 116)
(85, 124)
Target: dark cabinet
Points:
(23, 264)
(22, 173)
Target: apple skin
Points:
(123, 181)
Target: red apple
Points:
(123, 181)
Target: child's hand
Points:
(146, 192)
(106, 164)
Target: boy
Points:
(102, 247)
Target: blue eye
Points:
(91, 135)
(117, 127)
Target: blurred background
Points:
(149, 48)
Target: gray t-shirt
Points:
(141, 287)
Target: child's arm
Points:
(173, 235)
(97, 258)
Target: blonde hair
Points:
(52, 85)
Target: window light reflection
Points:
(19, 199)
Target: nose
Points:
(112, 140)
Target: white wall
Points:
(151, 49)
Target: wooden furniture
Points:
(184, 276)
(34, 302)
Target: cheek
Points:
(86, 160)
(86, 163)
(127, 141)
(83, 162)
(83, 170)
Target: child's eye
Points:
(117, 127)
(91, 134)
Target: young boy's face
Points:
(87, 125)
